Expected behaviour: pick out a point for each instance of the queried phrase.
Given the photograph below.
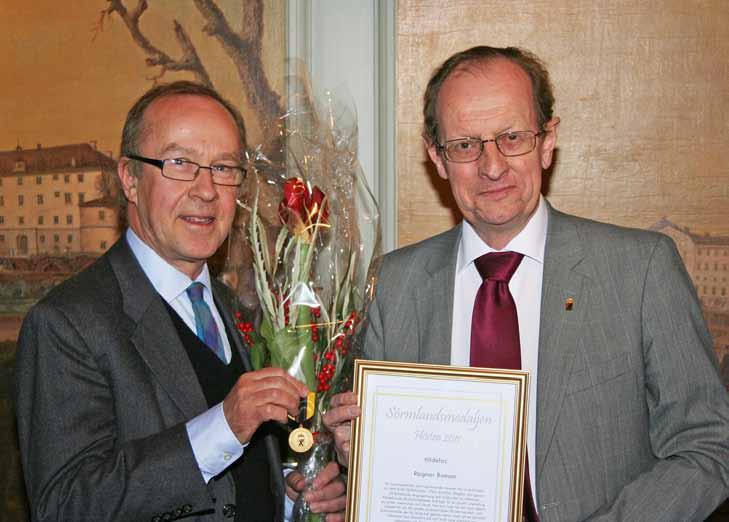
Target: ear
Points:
(549, 142)
(436, 158)
(128, 180)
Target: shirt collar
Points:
(166, 279)
(530, 241)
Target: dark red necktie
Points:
(495, 330)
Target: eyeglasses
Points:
(466, 150)
(185, 170)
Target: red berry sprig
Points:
(246, 329)
(315, 315)
(341, 344)
(326, 374)
(343, 341)
(351, 321)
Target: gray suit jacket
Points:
(104, 388)
(632, 418)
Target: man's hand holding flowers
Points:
(326, 494)
(343, 409)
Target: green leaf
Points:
(258, 355)
(307, 363)
(266, 328)
(294, 354)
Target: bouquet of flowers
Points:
(312, 269)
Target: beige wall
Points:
(643, 93)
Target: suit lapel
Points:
(559, 325)
(154, 335)
(434, 300)
(226, 310)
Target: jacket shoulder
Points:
(615, 238)
(94, 284)
(435, 248)
(89, 302)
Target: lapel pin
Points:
(569, 304)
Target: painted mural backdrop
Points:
(71, 72)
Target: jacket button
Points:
(187, 508)
(167, 517)
(229, 510)
(157, 519)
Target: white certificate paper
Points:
(437, 443)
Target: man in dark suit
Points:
(628, 418)
(135, 396)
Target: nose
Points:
(203, 187)
(492, 163)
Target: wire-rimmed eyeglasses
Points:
(185, 170)
(466, 150)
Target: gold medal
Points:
(301, 440)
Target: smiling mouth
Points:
(198, 220)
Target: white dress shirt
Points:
(525, 287)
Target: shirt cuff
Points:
(214, 444)
(288, 503)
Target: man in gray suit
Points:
(135, 396)
(628, 418)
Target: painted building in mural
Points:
(99, 225)
(51, 201)
(707, 260)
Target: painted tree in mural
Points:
(244, 49)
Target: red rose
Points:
(300, 209)
(294, 200)
(317, 206)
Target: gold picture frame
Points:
(425, 433)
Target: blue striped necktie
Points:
(207, 329)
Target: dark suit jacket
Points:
(104, 388)
(632, 418)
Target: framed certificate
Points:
(437, 443)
